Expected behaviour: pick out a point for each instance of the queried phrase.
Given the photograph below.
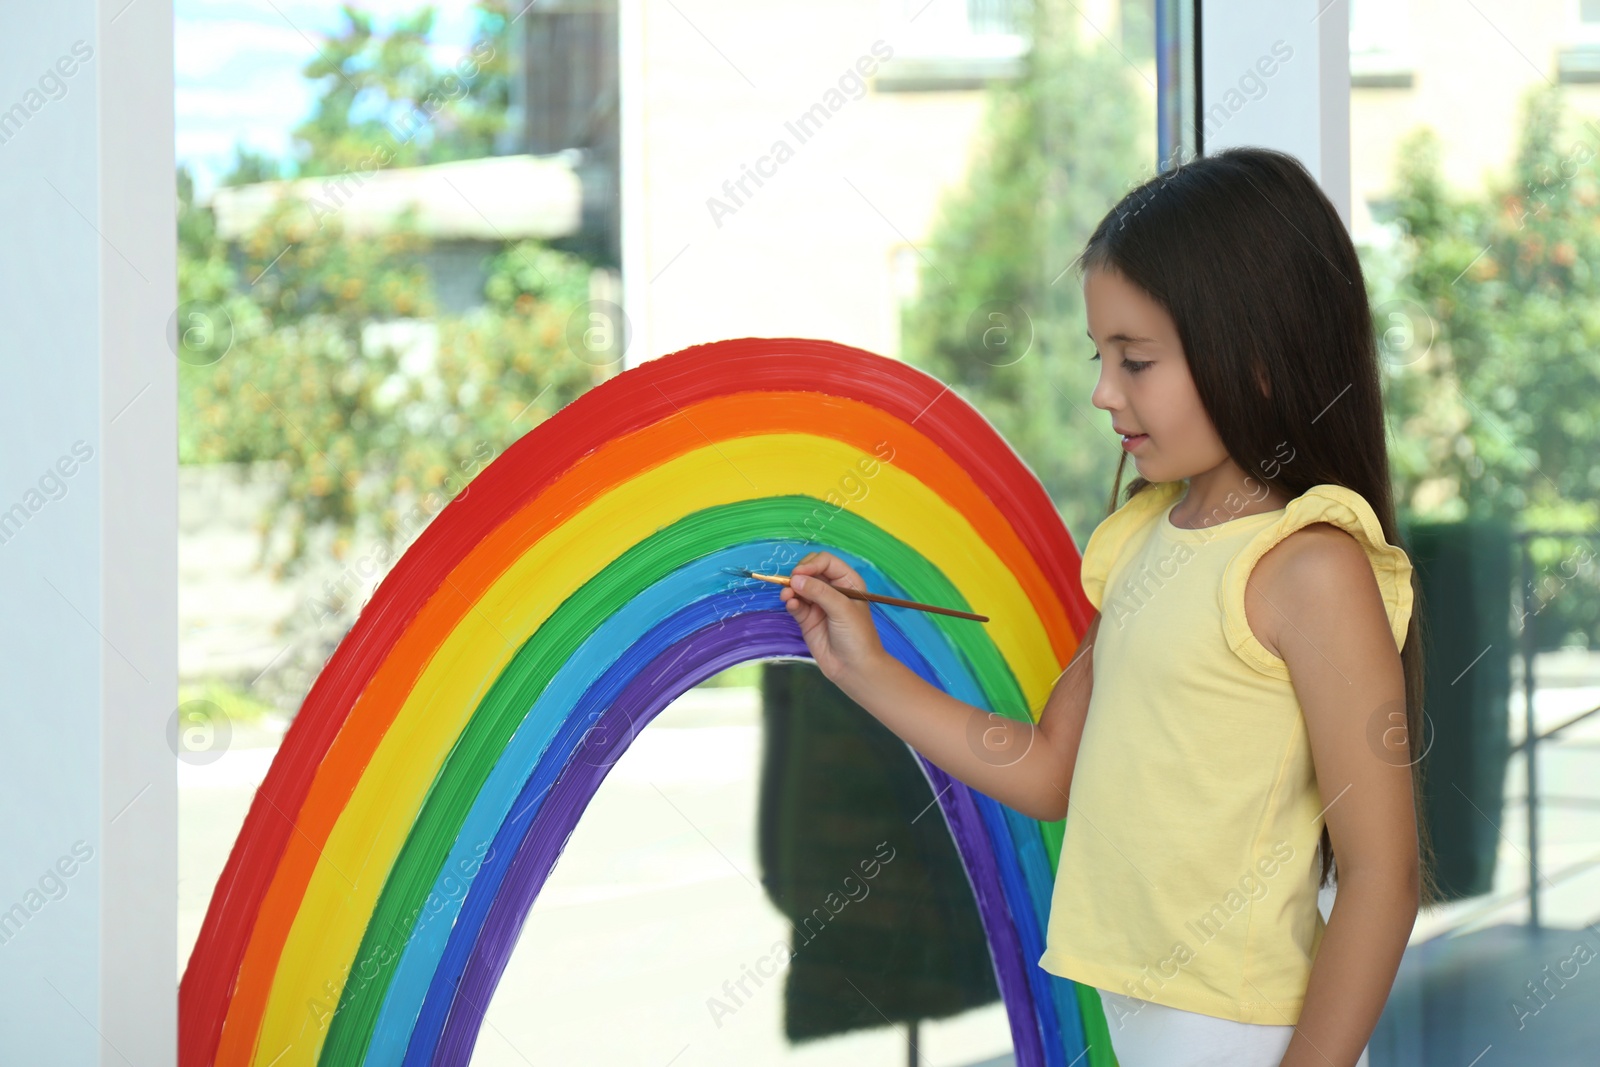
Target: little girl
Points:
(1252, 705)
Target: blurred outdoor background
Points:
(401, 249)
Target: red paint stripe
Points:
(627, 403)
(610, 464)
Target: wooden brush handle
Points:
(879, 598)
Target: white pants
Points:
(1146, 1034)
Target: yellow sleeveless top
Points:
(1188, 868)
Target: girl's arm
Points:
(1324, 617)
(1024, 766)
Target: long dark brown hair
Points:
(1250, 258)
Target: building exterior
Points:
(1464, 72)
(801, 208)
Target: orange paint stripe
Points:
(716, 419)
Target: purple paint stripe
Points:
(706, 653)
(1005, 947)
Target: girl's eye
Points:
(1131, 366)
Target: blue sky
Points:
(238, 68)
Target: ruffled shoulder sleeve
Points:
(1107, 541)
(1346, 509)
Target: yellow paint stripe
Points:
(369, 834)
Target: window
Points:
(1578, 60)
(1380, 36)
(954, 44)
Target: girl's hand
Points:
(839, 631)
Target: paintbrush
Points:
(857, 594)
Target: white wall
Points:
(88, 860)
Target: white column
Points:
(1276, 73)
(88, 535)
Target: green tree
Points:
(321, 351)
(998, 315)
(337, 370)
(1488, 314)
(251, 166)
(1510, 287)
(383, 91)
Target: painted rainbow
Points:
(573, 590)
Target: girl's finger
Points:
(832, 568)
(820, 593)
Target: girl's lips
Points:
(1132, 442)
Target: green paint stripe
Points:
(497, 716)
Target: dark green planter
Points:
(838, 791)
(1466, 575)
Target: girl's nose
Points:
(1104, 396)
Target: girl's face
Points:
(1145, 384)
